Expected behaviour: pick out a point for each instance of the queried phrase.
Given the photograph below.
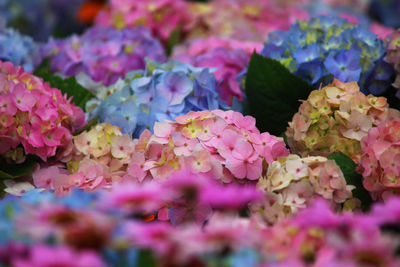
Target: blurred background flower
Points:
(19, 49)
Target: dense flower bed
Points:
(199, 133)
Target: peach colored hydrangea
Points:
(335, 118)
(380, 160)
(292, 183)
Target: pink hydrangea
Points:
(292, 183)
(250, 20)
(224, 144)
(335, 118)
(161, 16)
(200, 46)
(35, 118)
(380, 160)
(228, 56)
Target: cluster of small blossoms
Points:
(162, 91)
(223, 143)
(292, 183)
(336, 118)
(33, 115)
(393, 56)
(103, 53)
(228, 56)
(161, 16)
(380, 160)
(250, 20)
(328, 46)
(18, 49)
(96, 159)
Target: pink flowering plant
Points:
(35, 118)
(335, 118)
(243, 20)
(224, 143)
(379, 163)
(161, 16)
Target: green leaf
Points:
(146, 258)
(11, 171)
(173, 40)
(273, 93)
(67, 86)
(352, 177)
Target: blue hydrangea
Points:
(19, 49)
(160, 92)
(325, 47)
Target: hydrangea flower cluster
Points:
(161, 16)
(380, 160)
(292, 183)
(223, 143)
(41, 18)
(336, 118)
(229, 56)
(250, 20)
(393, 56)
(162, 91)
(33, 115)
(103, 53)
(327, 46)
(18, 49)
(96, 159)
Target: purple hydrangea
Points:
(103, 53)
